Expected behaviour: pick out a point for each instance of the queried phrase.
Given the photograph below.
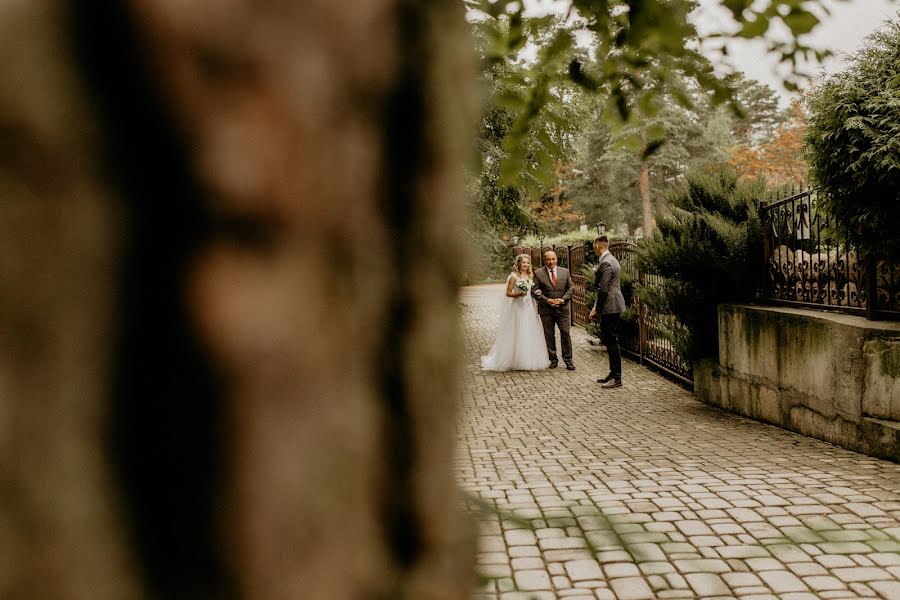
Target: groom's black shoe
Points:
(554, 364)
(612, 383)
(605, 379)
(570, 367)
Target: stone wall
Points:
(831, 376)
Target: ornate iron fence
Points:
(806, 265)
(580, 310)
(644, 337)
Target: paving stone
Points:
(564, 555)
(863, 590)
(782, 582)
(889, 559)
(862, 560)
(524, 551)
(845, 548)
(787, 553)
(632, 588)
(806, 569)
(890, 590)
(530, 595)
(657, 583)
(491, 543)
(646, 552)
(884, 545)
(532, 579)
(506, 584)
(561, 543)
(707, 584)
(764, 564)
(743, 552)
(861, 574)
(702, 566)
(493, 558)
(741, 579)
(751, 591)
(614, 570)
(675, 594)
(864, 510)
(846, 535)
(493, 571)
(824, 583)
(653, 486)
(520, 537)
(656, 568)
(613, 556)
(579, 570)
(693, 528)
(527, 563)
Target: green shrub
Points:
(853, 143)
(571, 238)
(707, 252)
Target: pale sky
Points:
(843, 32)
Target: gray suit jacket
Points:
(609, 293)
(563, 289)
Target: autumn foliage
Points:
(781, 159)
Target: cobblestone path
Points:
(643, 492)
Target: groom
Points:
(609, 306)
(553, 291)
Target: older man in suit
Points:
(553, 291)
(609, 305)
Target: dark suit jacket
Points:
(563, 289)
(609, 293)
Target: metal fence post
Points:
(642, 323)
(762, 291)
(871, 282)
(572, 299)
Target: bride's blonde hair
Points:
(519, 264)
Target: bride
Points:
(520, 344)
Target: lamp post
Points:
(601, 227)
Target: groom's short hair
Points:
(602, 239)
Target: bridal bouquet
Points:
(525, 284)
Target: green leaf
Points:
(579, 77)
(510, 100)
(756, 28)
(800, 21)
(652, 148)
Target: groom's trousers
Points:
(610, 324)
(561, 319)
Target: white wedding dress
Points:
(520, 344)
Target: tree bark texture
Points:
(646, 204)
(228, 330)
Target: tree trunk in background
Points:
(646, 205)
(228, 281)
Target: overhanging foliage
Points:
(853, 144)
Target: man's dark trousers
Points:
(558, 317)
(609, 335)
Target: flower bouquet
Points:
(525, 284)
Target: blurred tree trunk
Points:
(646, 204)
(228, 271)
